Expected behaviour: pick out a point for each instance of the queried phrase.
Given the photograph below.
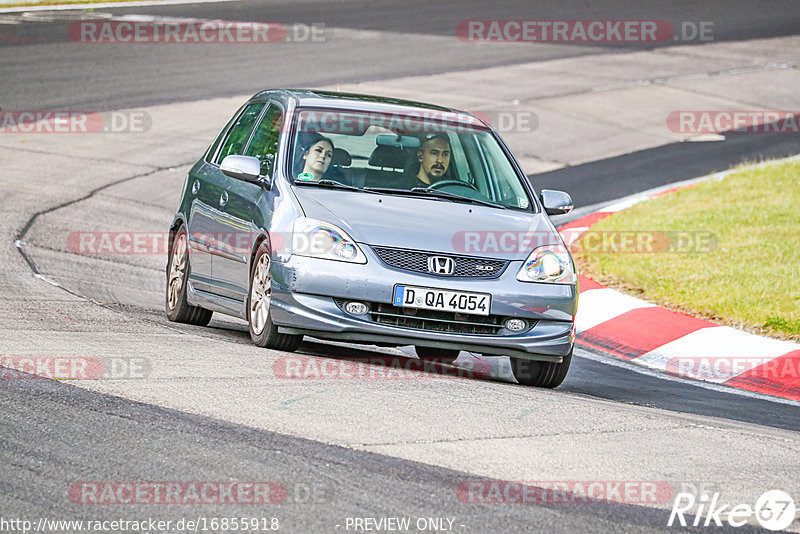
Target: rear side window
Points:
(264, 144)
(240, 133)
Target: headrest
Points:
(388, 156)
(403, 141)
(341, 158)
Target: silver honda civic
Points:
(374, 220)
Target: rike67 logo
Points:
(773, 510)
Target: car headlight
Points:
(319, 239)
(550, 263)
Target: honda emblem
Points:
(441, 265)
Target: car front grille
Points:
(417, 261)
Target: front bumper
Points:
(303, 292)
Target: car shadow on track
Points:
(379, 362)
(371, 361)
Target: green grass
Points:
(750, 278)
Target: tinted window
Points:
(240, 133)
(264, 144)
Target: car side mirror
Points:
(556, 202)
(245, 168)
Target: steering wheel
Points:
(445, 183)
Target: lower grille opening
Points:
(436, 321)
(432, 320)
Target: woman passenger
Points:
(317, 153)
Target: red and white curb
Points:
(675, 343)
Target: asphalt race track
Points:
(207, 404)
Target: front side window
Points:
(240, 132)
(213, 148)
(420, 152)
(264, 144)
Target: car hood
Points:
(429, 224)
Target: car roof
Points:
(307, 98)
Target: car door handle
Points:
(223, 198)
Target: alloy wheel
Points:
(260, 295)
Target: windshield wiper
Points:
(327, 183)
(415, 192)
(452, 196)
(427, 192)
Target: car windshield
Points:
(441, 155)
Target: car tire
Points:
(540, 374)
(436, 354)
(178, 270)
(263, 331)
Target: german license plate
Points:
(428, 298)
